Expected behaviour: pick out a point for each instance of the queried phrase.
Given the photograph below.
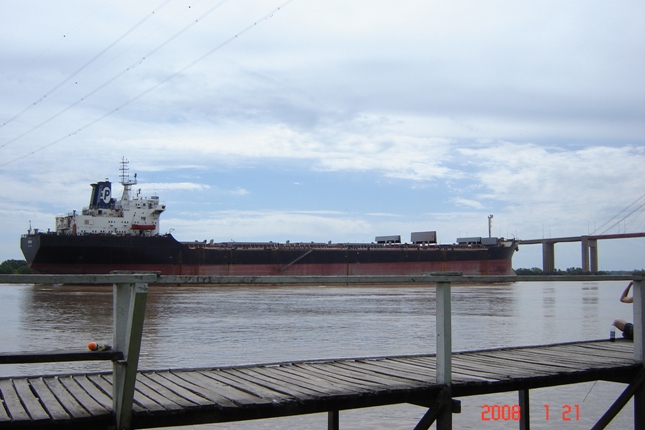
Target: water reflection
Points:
(590, 303)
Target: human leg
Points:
(619, 323)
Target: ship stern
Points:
(29, 245)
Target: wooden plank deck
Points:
(211, 395)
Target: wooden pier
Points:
(212, 395)
(127, 398)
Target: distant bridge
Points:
(589, 249)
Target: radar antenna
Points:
(125, 174)
(125, 179)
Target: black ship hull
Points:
(97, 254)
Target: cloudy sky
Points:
(312, 120)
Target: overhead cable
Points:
(143, 93)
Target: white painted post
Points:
(638, 292)
(444, 352)
(129, 312)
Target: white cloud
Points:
(277, 226)
(470, 203)
(240, 192)
(528, 173)
(175, 186)
(445, 111)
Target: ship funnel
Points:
(101, 195)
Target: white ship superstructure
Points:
(131, 215)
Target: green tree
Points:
(532, 271)
(14, 267)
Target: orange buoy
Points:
(93, 346)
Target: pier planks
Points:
(180, 397)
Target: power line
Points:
(150, 89)
(50, 47)
(118, 75)
(80, 69)
(622, 215)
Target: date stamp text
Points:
(513, 413)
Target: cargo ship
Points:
(124, 234)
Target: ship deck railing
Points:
(127, 398)
(337, 246)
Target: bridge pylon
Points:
(548, 256)
(589, 254)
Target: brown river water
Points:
(214, 326)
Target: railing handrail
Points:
(29, 357)
(156, 278)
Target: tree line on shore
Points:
(570, 271)
(9, 267)
(573, 271)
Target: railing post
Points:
(444, 353)
(638, 293)
(525, 416)
(129, 312)
(333, 421)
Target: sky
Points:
(311, 120)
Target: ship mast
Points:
(490, 225)
(125, 179)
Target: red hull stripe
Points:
(486, 267)
(142, 227)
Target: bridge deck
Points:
(209, 395)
